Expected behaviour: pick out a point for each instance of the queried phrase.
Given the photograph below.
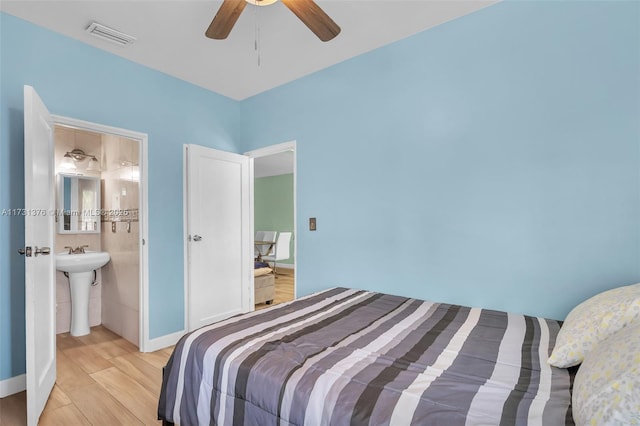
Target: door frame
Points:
(143, 200)
(277, 149)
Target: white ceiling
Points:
(273, 165)
(170, 35)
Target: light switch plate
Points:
(312, 224)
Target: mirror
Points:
(78, 204)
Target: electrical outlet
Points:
(312, 224)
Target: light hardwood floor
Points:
(102, 379)
(285, 281)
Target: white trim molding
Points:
(272, 149)
(285, 265)
(13, 385)
(185, 233)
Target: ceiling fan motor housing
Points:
(306, 10)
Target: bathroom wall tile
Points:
(63, 317)
(111, 151)
(77, 240)
(96, 290)
(120, 279)
(88, 139)
(109, 281)
(131, 148)
(67, 139)
(111, 316)
(127, 237)
(125, 288)
(121, 239)
(63, 293)
(109, 294)
(90, 143)
(128, 189)
(63, 137)
(130, 325)
(95, 312)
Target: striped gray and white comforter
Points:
(356, 357)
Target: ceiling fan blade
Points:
(314, 18)
(225, 19)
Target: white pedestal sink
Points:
(80, 268)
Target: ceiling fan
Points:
(306, 10)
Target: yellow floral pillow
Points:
(606, 390)
(594, 320)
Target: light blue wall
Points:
(79, 81)
(492, 161)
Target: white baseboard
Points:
(13, 385)
(163, 342)
(286, 265)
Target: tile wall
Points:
(120, 188)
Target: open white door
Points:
(219, 235)
(40, 290)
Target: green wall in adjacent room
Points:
(273, 200)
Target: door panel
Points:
(40, 294)
(220, 256)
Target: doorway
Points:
(274, 204)
(116, 158)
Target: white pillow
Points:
(606, 389)
(594, 320)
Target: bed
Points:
(346, 356)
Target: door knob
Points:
(27, 251)
(197, 238)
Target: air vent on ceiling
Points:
(110, 34)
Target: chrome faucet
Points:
(77, 250)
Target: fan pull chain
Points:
(257, 34)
